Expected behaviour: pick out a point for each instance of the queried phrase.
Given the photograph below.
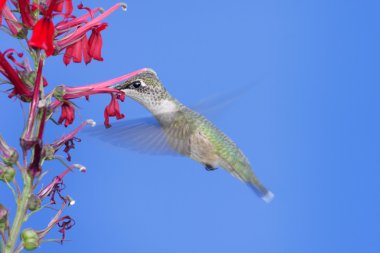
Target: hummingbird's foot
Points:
(208, 167)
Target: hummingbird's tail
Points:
(242, 170)
(260, 190)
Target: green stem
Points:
(22, 206)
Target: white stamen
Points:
(91, 122)
(70, 200)
(80, 167)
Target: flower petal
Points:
(26, 14)
(43, 35)
(96, 42)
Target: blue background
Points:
(310, 126)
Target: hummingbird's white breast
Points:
(165, 106)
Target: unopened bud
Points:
(3, 218)
(30, 239)
(48, 152)
(11, 157)
(7, 173)
(34, 203)
(59, 92)
(9, 154)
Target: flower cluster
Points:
(68, 34)
(48, 28)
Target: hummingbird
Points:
(181, 130)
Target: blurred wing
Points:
(142, 135)
(214, 105)
(145, 135)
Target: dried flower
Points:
(56, 186)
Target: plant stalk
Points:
(22, 206)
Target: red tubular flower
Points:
(43, 31)
(81, 30)
(75, 52)
(95, 42)
(113, 110)
(43, 35)
(26, 13)
(68, 7)
(11, 74)
(67, 115)
(2, 3)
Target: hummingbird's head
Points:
(144, 87)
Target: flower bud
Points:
(9, 154)
(59, 92)
(7, 173)
(30, 239)
(3, 219)
(48, 152)
(12, 158)
(34, 203)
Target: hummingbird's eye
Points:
(135, 85)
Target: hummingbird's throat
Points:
(164, 106)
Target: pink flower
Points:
(16, 29)
(112, 110)
(67, 114)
